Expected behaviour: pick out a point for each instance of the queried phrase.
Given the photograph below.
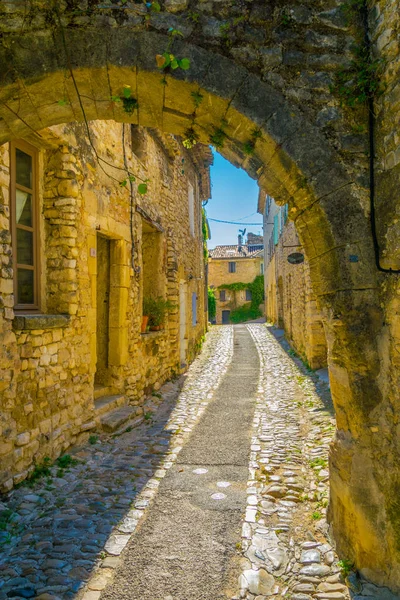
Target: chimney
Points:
(240, 242)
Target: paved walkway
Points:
(221, 495)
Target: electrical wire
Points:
(235, 222)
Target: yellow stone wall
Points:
(47, 374)
(290, 302)
(218, 274)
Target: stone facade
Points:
(102, 248)
(248, 264)
(290, 303)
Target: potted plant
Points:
(145, 320)
(156, 309)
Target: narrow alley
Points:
(221, 493)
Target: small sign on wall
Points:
(92, 252)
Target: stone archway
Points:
(296, 160)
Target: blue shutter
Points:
(276, 229)
(194, 309)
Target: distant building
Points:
(289, 300)
(234, 264)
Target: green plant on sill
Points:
(156, 309)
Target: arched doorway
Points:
(80, 72)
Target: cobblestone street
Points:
(221, 493)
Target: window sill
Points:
(151, 334)
(30, 322)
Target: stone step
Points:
(106, 404)
(101, 390)
(112, 421)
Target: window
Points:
(232, 267)
(248, 295)
(276, 229)
(191, 208)
(268, 205)
(25, 226)
(138, 142)
(222, 295)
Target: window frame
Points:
(248, 295)
(34, 191)
(232, 266)
(222, 295)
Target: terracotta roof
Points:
(245, 251)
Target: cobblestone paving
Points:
(55, 535)
(286, 553)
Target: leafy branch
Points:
(167, 61)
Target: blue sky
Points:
(234, 195)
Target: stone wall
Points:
(291, 303)
(48, 360)
(246, 271)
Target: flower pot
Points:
(155, 328)
(144, 324)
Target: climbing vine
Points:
(250, 310)
(212, 304)
(205, 232)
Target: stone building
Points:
(290, 303)
(81, 250)
(234, 264)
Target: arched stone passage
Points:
(296, 161)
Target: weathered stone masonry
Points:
(49, 361)
(268, 66)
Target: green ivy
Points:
(243, 313)
(256, 288)
(212, 304)
(205, 232)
